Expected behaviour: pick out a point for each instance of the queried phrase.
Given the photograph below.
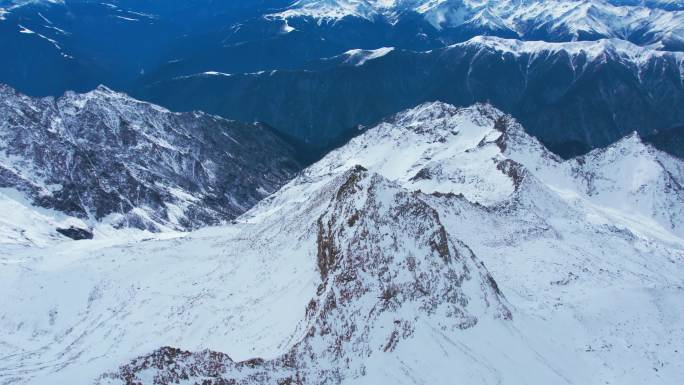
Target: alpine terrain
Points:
(444, 244)
(341, 192)
(105, 158)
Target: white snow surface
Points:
(592, 49)
(359, 57)
(588, 252)
(569, 18)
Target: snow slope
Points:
(438, 148)
(359, 57)
(443, 244)
(585, 244)
(26, 225)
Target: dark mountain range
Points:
(670, 140)
(77, 44)
(573, 96)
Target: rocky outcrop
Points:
(382, 253)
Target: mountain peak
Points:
(101, 91)
(430, 113)
(155, 169)
(105, 90)
(425, 147)
(634, 138)
(629, 145)
(570, 20)
(388, 268)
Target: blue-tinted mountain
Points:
(156, 49)
(77, 44)
(573, 96)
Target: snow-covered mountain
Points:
(487, 157)
(90, 42)
(557, 20)
(444, 243)
(105, 157)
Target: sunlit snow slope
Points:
(444, 245)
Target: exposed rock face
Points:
(382, 252)
(76, 233)
(105, 156)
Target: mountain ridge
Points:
(550, 20)
(573, 96)
(432, 184)
(341, 321)
(103, 156)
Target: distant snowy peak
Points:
(616, 48)
(104, 95)
(633, 176)
(642, 22)
(330, 10)
(670, 5)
